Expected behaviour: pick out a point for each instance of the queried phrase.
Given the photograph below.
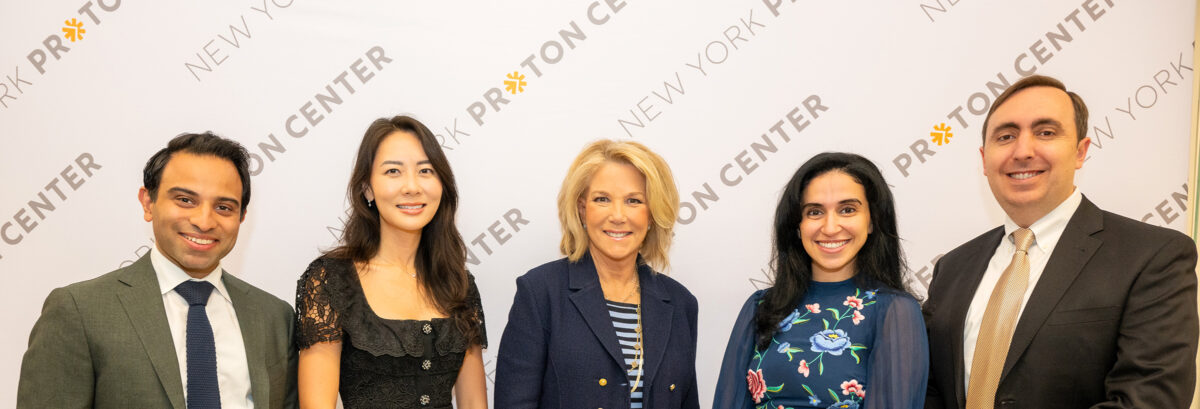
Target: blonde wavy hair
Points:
(661, 197)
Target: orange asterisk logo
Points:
(941, 134)
(515, 83)
(73, 30)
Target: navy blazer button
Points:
(672, 387)
(603, 381)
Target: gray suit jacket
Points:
(105, 343)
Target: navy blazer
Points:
(559, 349)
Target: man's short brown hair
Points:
(1081, 112)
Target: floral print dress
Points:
(843, 347)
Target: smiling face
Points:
(836, 223)
(615, 213)
(197, 211)
(404, 185)
(1031, 153)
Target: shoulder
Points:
(260, 297)
(1139, 233)
(675, 289)
(549, 275)
(549, 270)
(678, 294)
(972, 248)
(892, 299)
(105, 284)
(472, 288)
(753, 300)
(325, 267)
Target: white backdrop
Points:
(712, 86)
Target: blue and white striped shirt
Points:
(625, 320)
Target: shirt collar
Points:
(1050, 227)
(171, 275)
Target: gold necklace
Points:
(638, 354)
(397, 266)
(636, 287)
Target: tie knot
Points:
(195, 292)
(1023, 238)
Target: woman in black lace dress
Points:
(391, 318)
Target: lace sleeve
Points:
(476, 305)
(899, 365)
(316, 319)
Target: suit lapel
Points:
(960, 302)
(142, 300)
(252, 337)
(588, 298)
(657, 312)
(1074, 249)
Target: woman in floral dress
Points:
(837, 329)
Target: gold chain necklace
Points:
(637, 286)
(638, 363)
(638, 354)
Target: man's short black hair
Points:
(205, 143)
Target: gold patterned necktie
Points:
(996, 329)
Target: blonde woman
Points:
(601, 328)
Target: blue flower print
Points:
(812, 400)
(871, 294)
(783, 348)
(786, 324)
(833, 341)
(846, 404)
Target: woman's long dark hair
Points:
(441, 254)
(879, 262)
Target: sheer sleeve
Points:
(732, 389)
(316, 318)
(476, 306)
(899, 366)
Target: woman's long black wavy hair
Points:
(880, 262)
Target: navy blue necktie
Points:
(202, 390)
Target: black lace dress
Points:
(385, 363)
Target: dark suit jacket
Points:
(1111, 322)
(105, 343)
(559, 349)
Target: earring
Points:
(370, 203)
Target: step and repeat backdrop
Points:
(734, 94)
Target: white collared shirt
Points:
(233, 371)
(1046, 232)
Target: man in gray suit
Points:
(172, 330)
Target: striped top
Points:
(625, 319)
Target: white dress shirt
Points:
(1046, 232)
(233, 371)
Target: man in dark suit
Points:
(172, 330)
(1065, 305)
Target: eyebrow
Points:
(1047, 121)
(189, 192)
(401, 163)
(601, 192)
(1006, 125)
(843, 202)
(1037, 123)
